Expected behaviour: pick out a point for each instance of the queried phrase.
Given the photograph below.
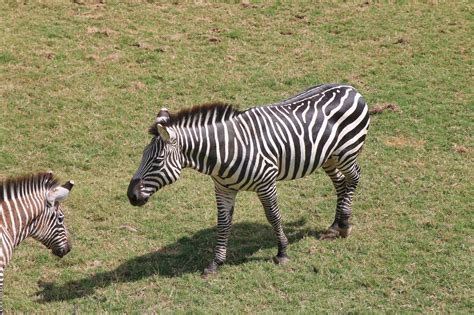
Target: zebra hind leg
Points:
(345, 179)
(268, 198)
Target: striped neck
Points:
(22, 200)
(200, 143)
(194, 127)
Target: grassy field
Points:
(81, 83)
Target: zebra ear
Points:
(68, 185)
(57, 194)
(163, 116)
(164, 134)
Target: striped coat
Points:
(324, 126)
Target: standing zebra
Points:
(29, 206)
(324, 126)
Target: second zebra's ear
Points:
(68, 185)
(57, 194)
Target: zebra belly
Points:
(250, 177)
(300, 163)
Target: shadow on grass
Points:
(187, 255)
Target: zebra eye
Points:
(60, 219)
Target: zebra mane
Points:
(200, 115)
(7, 184)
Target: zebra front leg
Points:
(225, 199)
(268, 198)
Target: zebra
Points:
(29, 206)
(324, 126)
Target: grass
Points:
(80, 83)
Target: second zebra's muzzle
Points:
(61, 252)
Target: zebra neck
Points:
(24, 233)
(200, 146)
(18, 215)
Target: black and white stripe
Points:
(324, 126)
(29, 206)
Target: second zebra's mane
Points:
(46, 179)
(200, 115)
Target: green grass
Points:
(80, 84)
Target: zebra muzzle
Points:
(62, 251)
(135, 195)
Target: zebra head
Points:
(161, 162)
(49, 227)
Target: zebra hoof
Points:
(334, 232)
(281, 260)
(345, 232)
(211, 269)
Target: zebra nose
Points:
(133, 192)
(67, 249)
(62, 251)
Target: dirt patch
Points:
(380, 108)
(401, 41)
(104, 31)
(246, 4)
(94, 264)
(460, 149)
(144, 45)
(128, 228)
(404, 142)
(214, 39)
(90, 2)
(113, 57)
(138, 86)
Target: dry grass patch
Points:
(403, 142)
(460, 149)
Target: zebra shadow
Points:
(187, 255)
